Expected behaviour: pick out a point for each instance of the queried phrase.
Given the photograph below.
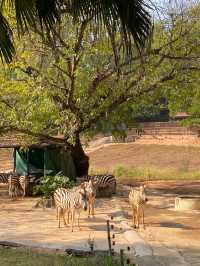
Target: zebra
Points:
(14, 186)
(17, 185)
(90, 188)
(70, 201)
(4, 177)
(101, 181)
(137, 200)
(24, 183)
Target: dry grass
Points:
(147, 162)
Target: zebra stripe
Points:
(137, 200)
(4, 177)
(14, 187)
(70, 201)
(24, 183)
(101, 181)
(90, 188)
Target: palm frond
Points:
(6, 44)
(133, 16)
(29, 11)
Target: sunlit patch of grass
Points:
(150, 173)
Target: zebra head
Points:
(90, 188)
(143, 193)
(84, 198)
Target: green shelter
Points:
(49, 160)
(40, 157)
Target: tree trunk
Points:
(81, 160)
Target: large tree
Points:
(131, 17)
(70, 81)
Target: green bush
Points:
(50, 183)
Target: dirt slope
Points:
(133, 155)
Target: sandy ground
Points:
(166, 229)
(21, 223)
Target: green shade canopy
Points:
(44, 161)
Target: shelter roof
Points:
(21, 140)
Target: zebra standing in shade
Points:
(17, 185)
(137, 200)
(101, 181)
(71, 201)
(14, 187)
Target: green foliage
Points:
(24, 257)
(50, 183)
(74, 83)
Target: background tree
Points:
(69, 82)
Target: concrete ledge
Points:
(141, 247)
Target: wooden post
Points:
(27, 180)
(14, 166)
(121, 257)
(27, 162)
(45, 149)
(109, 238)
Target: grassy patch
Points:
(126, 174)
(24, 257)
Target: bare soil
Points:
(134, 155)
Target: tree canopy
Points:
(71, 82)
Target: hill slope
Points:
(138, 155)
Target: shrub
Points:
(50, 183)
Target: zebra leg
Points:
(133, 217)
(143, 218)
(59, 214)
(72, 221)
(89, 208)
(137, 217)
(64, 220)
(93, 201)
(79, 221)
(68, 216)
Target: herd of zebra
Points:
(81, 197)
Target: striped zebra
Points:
(17, 185)
(137, 200)
(14, 187)
(71, 201)
(4, 177)
(24, 183)
(101, 181)
(90, 188)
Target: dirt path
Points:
(169, 233)
(168, 229)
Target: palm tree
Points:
(131, 15)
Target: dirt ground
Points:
(171, 229)
(133, 155)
